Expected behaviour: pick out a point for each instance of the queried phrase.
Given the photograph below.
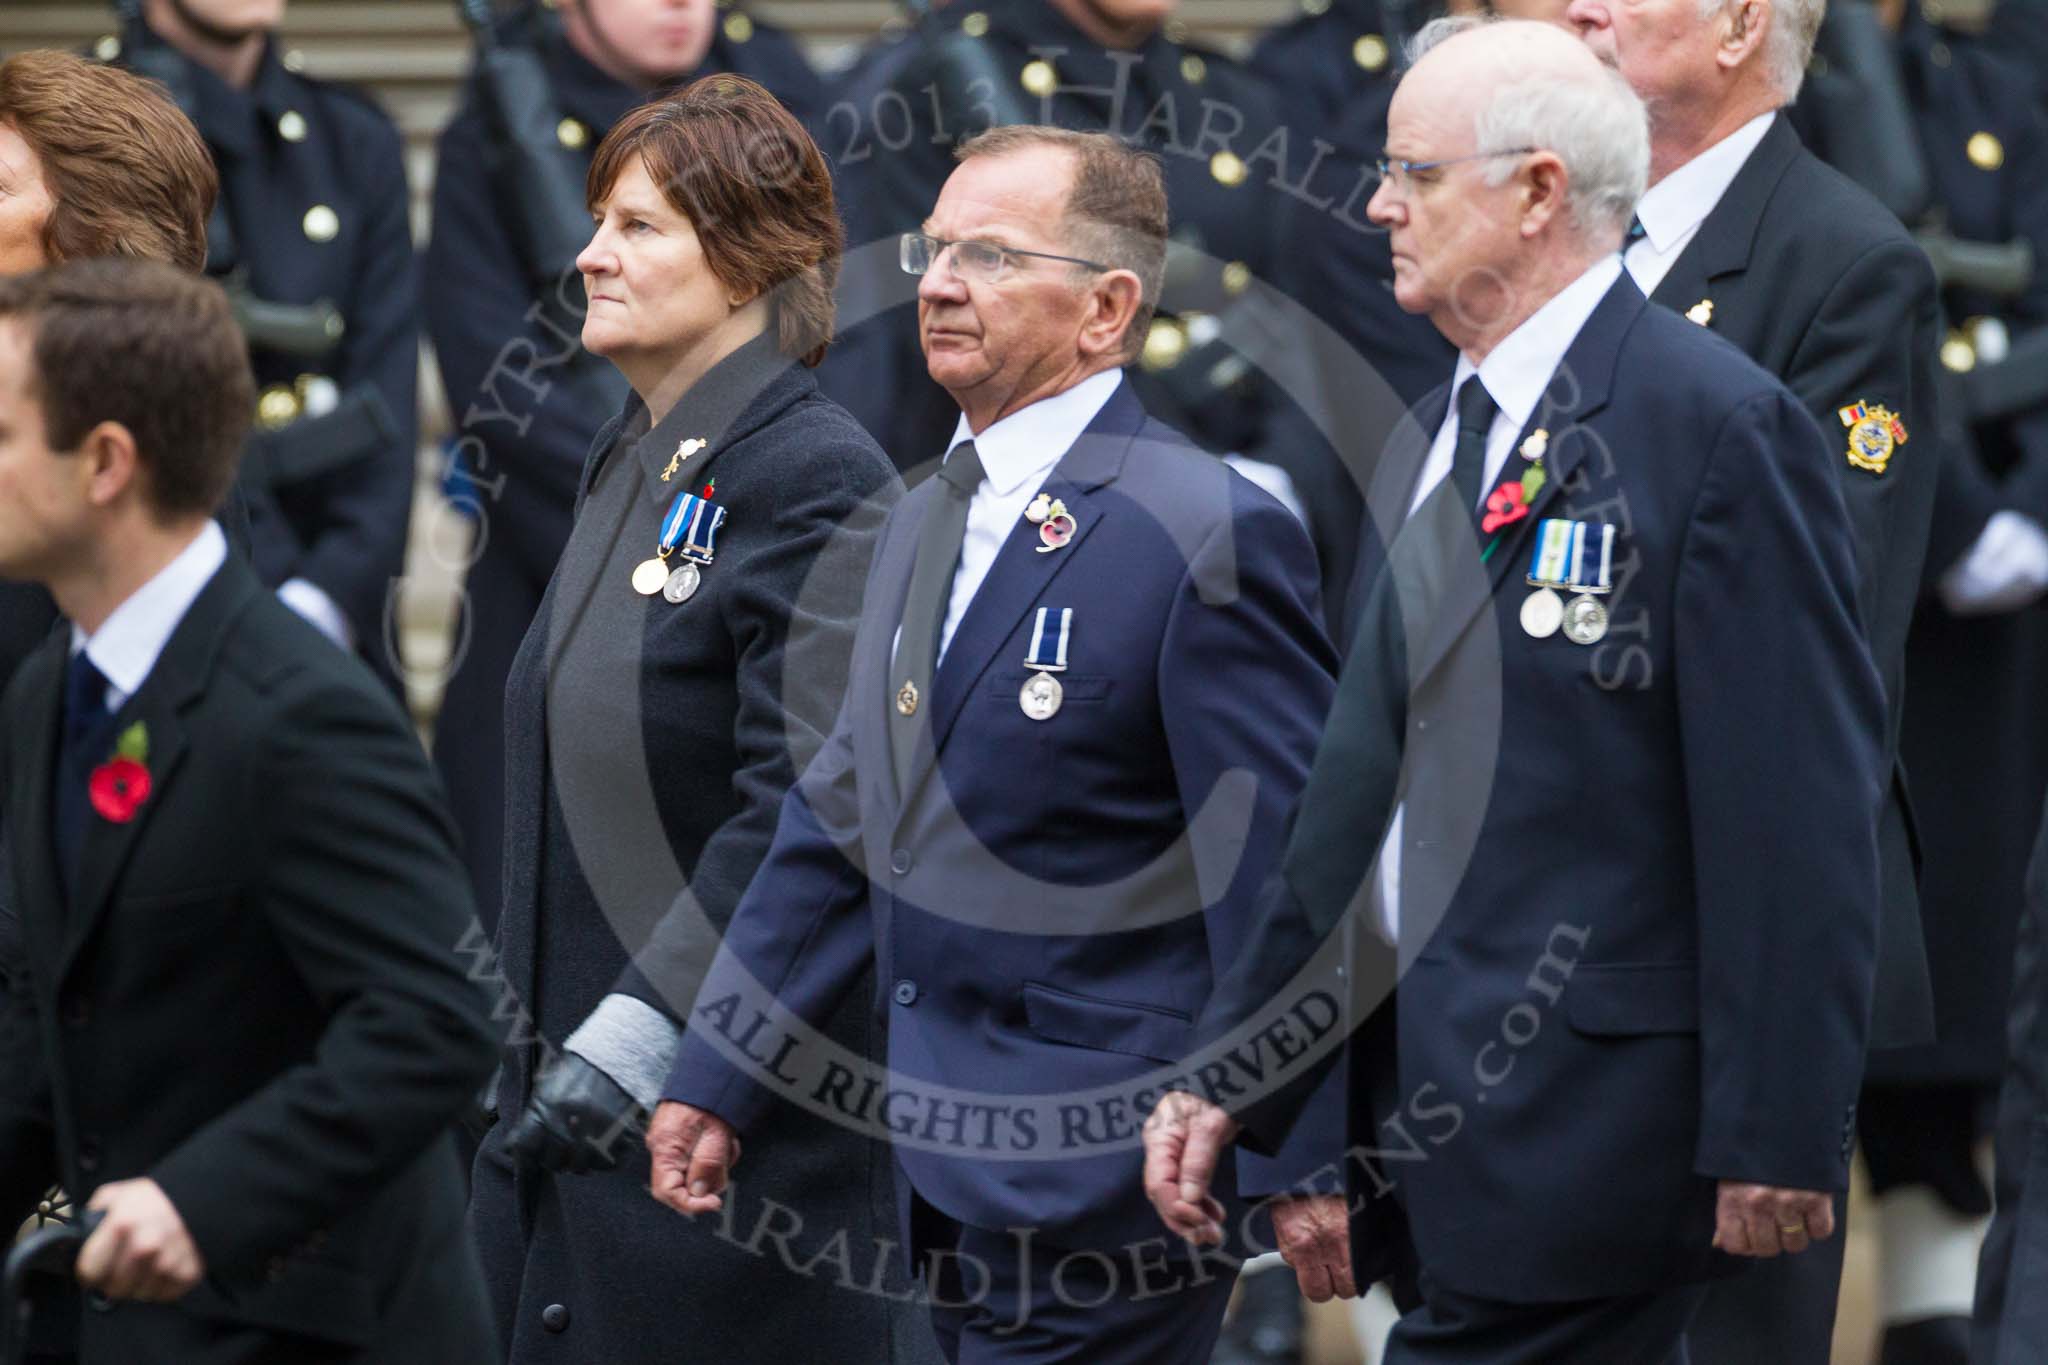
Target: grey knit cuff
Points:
(630, 1041)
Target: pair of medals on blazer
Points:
(690, 530)
(1042, 694)
(1575, 557)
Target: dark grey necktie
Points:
(1468, 456)
(924, 610)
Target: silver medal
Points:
(1041, 697)
(682, 583)
(1585, 621)
(1542, 613)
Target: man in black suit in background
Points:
(241, 1032)
(1749, 235)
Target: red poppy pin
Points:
(1509, 503)
(121, 784)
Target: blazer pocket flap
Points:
(1151, 1031)
(302, 1297)
(1629, 999)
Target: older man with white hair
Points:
(1615, 727)
(1748, 234)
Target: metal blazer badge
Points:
(1875, 431)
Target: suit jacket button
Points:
(906, 993)
(88, 1156)
(899, 862)
(555, 1317)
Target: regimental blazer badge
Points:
(1874, 433)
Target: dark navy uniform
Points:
(1222, 135)
(1341, 53)
(313, 189)
(526, 398)
(1339, 64)
(1972, 735)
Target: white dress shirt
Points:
(1516, 372)
(1673, 209)
(127, 644)
(1016, 455)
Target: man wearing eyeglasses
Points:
(1749, 235)
(1086, 688)
(1625, 906)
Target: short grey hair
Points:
(1599, 129)
(1788, 47)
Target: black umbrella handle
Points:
(49, 1253)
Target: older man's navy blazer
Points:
(1050, 901)
(1638, 901)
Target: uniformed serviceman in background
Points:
(504, 308)
(1118, 66)
(314, 218)
(1974, 738)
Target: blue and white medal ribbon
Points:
(1563, 554)
(1042, 692)
(693, 521)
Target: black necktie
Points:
(85, 720)
(924, 610)
(1468, 456)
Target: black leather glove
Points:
(576, 1122)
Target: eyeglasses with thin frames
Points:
(1401, 171)
(986, 261)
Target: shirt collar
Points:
(1681, 201)
(1030, 441)
(1518, 370)
(128, 643)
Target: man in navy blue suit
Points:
(1612, 724)
(1085, 691)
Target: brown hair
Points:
(147, 345)
(754, 186)
(1116, 209)
(128, 174)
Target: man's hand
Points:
(1184, 1139)
(574, 1121)
(1315, 1240)
(141, 1249)
(694, 1152)
(1763, 1220)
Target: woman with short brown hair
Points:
(686, 662)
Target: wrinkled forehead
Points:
(1018, 198)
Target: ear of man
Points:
(1743, 26)
(1113, 301)
(1544, 182)
(113, 466)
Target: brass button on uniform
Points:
(1237, 277)
(1958, 353)
(1371, 52)
(322, 224)
(1228, 168)
(572, 134)
(1165, 344)
(291, 126)
(1039, 78)
(277, 407)
(107, 49)
(1985, 151)
(1193, 69)
(294, 61)
(738, 28)
(1314, 7)
(975, 25)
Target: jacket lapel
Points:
(177, 681)
(1578, 390)
(34, 782)
(1727, 237)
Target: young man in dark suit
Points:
(1085, 687)
(241, 1032)
(1627, 860)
